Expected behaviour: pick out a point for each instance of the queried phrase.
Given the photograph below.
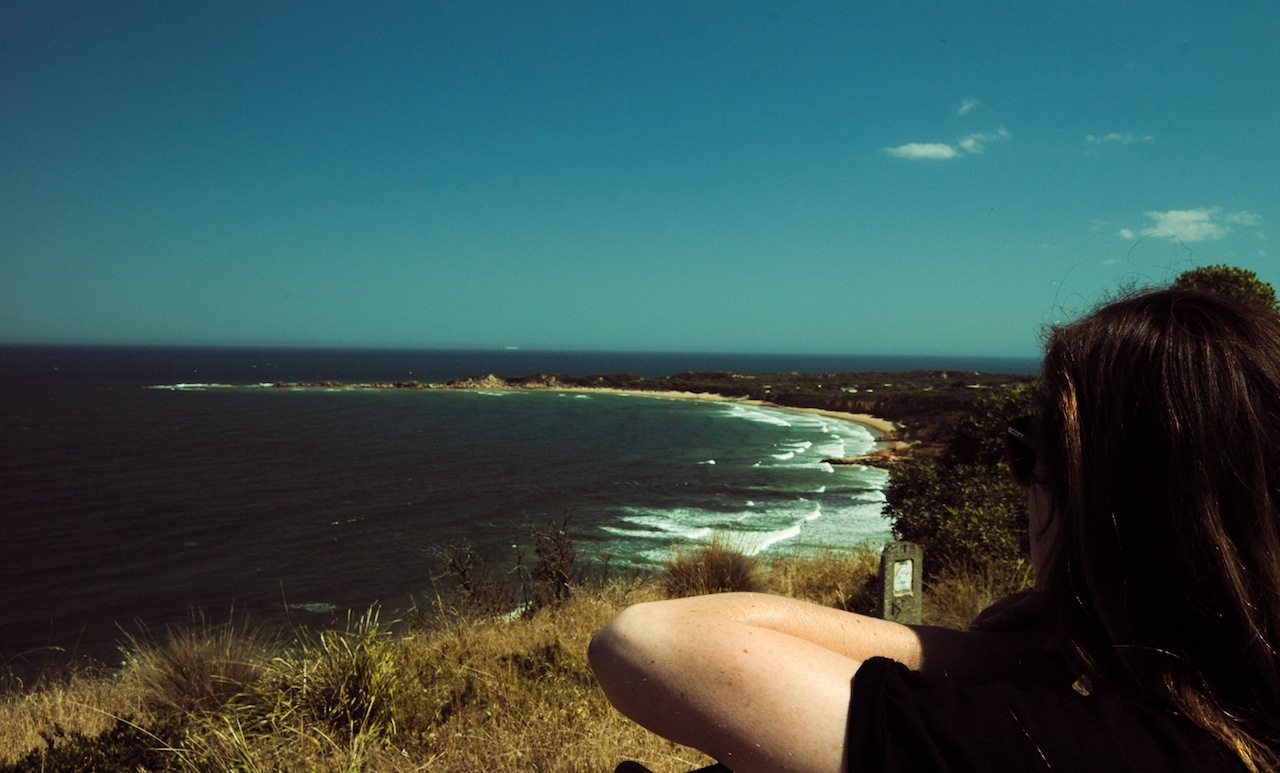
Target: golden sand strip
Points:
(878, 425)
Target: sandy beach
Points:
(885, 431)
(877, 425)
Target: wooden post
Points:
(901, 570)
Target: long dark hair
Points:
(1160, 424)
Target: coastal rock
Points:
(484, 382)
(884, 458)
(539, 381)
(324, 384)
(393, 385)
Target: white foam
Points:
(189, 387)
(834, 448)
(788, 462)
(752, 543)
(770, 539)
(679, 523)
(661, 534)
(778, 504)
(869, 497)
(752, 529)
(761, 415)
(649, 535)
(317, 607)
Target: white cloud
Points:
(970, 145)
(968, 105)
(1123, 139)
(976, 143)
(1243, 218)
(917, 150)
(1194, 225)
(1189, 225)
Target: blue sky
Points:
(862, 178)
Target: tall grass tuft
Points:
(199, 669)
(343, 681)
(717, 567)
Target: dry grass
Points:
(82, 701)
(442, 695)
(719, 566)
(955, 597)
(198, 669)
(834, 578)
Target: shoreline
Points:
(907, 413)
(888, 446)
(878, 426)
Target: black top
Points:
(901, 721)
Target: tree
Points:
(1240, 283)
(963, 508)
(965, 516)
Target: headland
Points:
(908, 411)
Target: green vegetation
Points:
(1240, 283)
(962, 506)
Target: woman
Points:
(1153, 474)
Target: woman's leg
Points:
(758, 682)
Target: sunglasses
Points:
(1021, 441)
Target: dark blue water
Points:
(145, 484)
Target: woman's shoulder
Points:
(901, 720)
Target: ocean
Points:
(147, 487)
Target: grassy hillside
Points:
(450, 689)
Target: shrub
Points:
(717, 567)
(554, 573)
(197, 670)
(476, 591)
(963, 516)
(1239, 283)
(963, 508)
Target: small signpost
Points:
(901, 569)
